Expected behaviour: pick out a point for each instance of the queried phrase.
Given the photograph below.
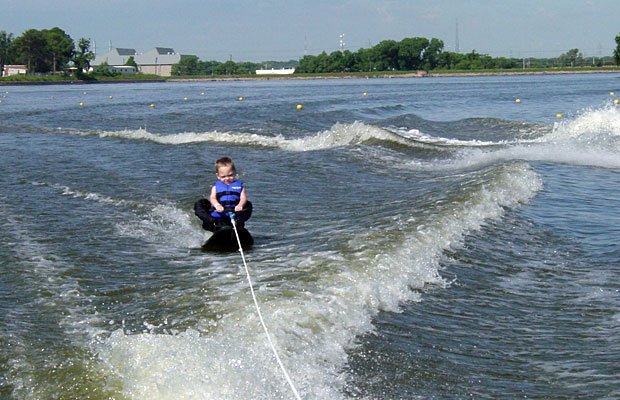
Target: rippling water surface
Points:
(415, 238)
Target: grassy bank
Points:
(61, 79)
(527, 71)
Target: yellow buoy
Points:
(365, 94)
(616, 101)
(185, 98)
(240, 98)
(81, 104)
(152, 105)
(518, 101)
(202, 93)
(110, 97)
(300, 106)
(559, 115)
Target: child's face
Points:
(226, 174)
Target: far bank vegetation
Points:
(51, 52)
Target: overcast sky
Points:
(262, 30)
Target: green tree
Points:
(505, 63)
(31, 50)
(386, 55)
(307, 64)
(208, 67)
(430, 58)
(247, 68)
(83, 56)
(322, 63)
(43, 50)
(227, 68)
(448, 60)
(470, 61)
(60, 48)
(132, 62)
(350, 61)
(104, 69)
(188, 65)
(617, 50)
(6, 40)
(365, 60)
(410, 52)
(571, 58)
(335, 62)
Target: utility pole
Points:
(305, 45)
(456, 42)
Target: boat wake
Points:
(314, 320)
(160, 223)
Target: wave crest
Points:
(339, 135)
(592, 126)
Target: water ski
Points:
(224, 239)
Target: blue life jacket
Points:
(228, 196)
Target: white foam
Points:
(195, 137)
(98, 197)
(313, 321)
(588, 127)
(165, 225)
(590, 139)
(425, 138)
(339, 135)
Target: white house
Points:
(158, 61)
(115, 56)
(11, 70)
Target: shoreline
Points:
(76, 82)
(418, 74)
(390, 75)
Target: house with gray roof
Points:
(115, 56)
(158, 61)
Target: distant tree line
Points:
(617, 50)
(45, 51)
(423, 54)
(191, 65)
(54, 51)
(409, 54)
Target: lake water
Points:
(415, 238)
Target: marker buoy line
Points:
(260, 316)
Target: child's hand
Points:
(219, 208)
(238, 208)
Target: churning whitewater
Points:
(408, 243)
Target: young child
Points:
(227, 196)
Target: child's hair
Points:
(224, 162)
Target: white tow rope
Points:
(260, 316)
